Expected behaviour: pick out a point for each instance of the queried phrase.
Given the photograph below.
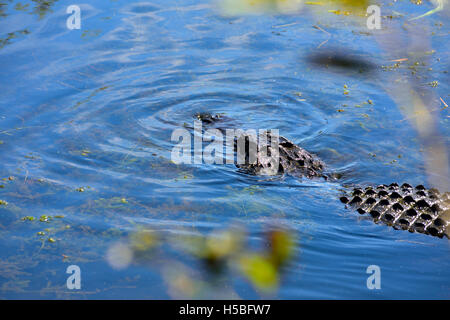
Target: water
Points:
(95, 109)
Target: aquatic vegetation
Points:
(434, 84)
(82, 189)
(13, 35)
(233, 7)
(45, 218)
(3, 7)
(93, 94)
(220, 252)
(43, 7)
(92, 34)
(38, 7)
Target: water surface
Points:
(95, 109)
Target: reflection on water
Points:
(86, 118)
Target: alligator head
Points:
(289, 158)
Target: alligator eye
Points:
(408, 200)
(343, 199)
(356, 200)
(374, 214)
(422, 204)
(411, 213)
(361, 211)
(394, 195)
(406, 186)
(420, 187)
(383, 193)
(397, 207)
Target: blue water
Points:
(95, 109)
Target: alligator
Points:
(291, 160)
(416, 209)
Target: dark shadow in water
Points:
(341, 60)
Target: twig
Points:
(329, 35)
(445, 105)
(399, 60)
(285, 25)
